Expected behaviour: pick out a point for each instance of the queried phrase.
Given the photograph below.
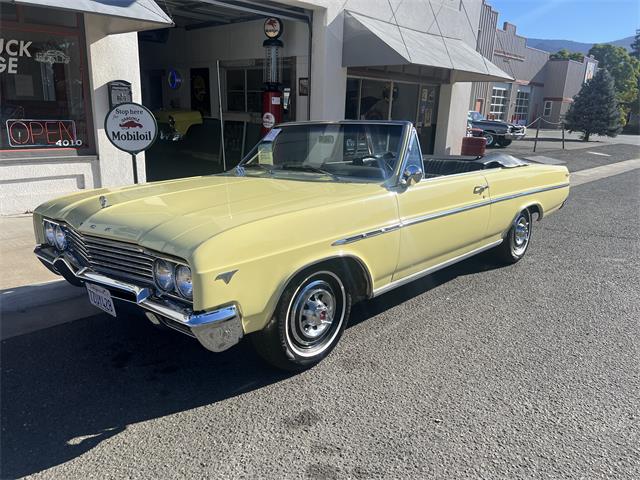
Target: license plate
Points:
(101, 298)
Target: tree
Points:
(635, 46)
(624, 69)
(565, 54)
(595, 109)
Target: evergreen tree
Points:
(635, 46)
(595, 109)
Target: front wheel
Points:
(516, 242)
(491, 139)
(308, 323)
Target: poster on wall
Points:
(200, 92)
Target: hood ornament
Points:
(104, 203)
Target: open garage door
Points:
(179, 70)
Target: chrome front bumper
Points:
(216, 330)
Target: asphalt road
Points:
(528, 371)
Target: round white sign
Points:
(268, 120)
(131, 127)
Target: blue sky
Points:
(589, 21)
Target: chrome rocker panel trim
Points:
(216, 330)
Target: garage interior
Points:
(180, 68)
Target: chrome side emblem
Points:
(104, 203)
(226, 276)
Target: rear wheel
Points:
(515, 244)
(308, 323)
(505, 142)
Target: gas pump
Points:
(272, 101)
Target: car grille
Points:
(121, 260)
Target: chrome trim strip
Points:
(445, 213)
(435, 268)
(529, 192)
(442, 213)
(369, 234)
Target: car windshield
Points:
(335, 151)
(476, 116)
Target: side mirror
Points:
(411, 175)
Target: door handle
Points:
(480, 188)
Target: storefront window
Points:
(405, 101)
(374, 100)
(43, 88)
(353, 94)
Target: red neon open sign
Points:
(42, 133)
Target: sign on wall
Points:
(119, 92)
(131, 127)
(11, 51)
(26, 132)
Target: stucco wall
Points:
(111, 57)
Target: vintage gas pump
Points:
(272, 105)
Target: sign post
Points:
(132, 128)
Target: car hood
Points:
(178, 215)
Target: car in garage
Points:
(497, 132)
(318, 216)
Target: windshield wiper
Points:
(308, 168)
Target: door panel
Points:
(442, 218)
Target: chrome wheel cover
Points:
(490, 139)
(521, 233)
(315, 314)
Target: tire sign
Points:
(131, 127)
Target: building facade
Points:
(543, 87)
(340, 59)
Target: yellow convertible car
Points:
(318, 216)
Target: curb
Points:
(35, 307)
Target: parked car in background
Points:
(318, 216)
(497, 132)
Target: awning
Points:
(368, 42)
(120, 15)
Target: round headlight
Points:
(60, 238)
(163, 273)
(49, 233)
(183, 281)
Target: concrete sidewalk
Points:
(31, 297)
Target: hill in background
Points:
(553, 46)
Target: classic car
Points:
(497, 132)
(317, 216)
(174, 124)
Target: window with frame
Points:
(244, 87)
(548, 106)
(44, 95)
(499, 98)
(521, 113)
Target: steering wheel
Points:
(382, 160)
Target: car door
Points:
(442, 218)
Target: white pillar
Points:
(111, 57)
(452, 117)
(328, 77)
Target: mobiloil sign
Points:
(132, 128)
